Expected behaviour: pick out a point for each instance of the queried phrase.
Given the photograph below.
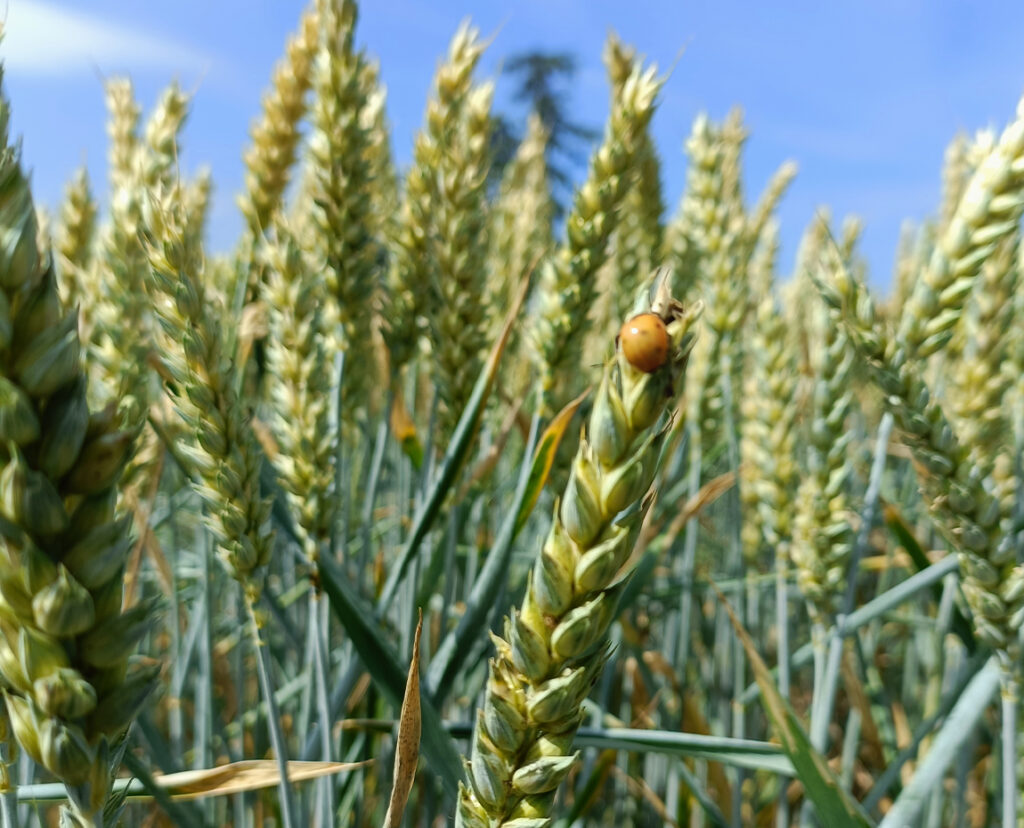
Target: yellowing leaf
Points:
(404, 429)
(544, 457)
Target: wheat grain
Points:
(521, 220)
(768, 446)
(637, 241)
(981, 382)
(383, 178)
(122, 131)
(123, 335)
(823, 538)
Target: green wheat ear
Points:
(76, 234)
(70, 685)
(201, 379)
(555, 645)
(568, 279)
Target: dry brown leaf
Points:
(708, 494)
(253, 325)
(718, 783)
(407, 753)
(489, 461)
(266, 438)
(640, 787)
(659, 665)
(249, 775)
(871, 745)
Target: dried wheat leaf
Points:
(407, 753)
(249, 775)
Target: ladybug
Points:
(644, 342)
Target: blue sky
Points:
(863, 95)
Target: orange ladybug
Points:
(644, 342)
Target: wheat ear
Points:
(69, 682)
(555, 645)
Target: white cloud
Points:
(43, 38)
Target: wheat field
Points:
(424, 505)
